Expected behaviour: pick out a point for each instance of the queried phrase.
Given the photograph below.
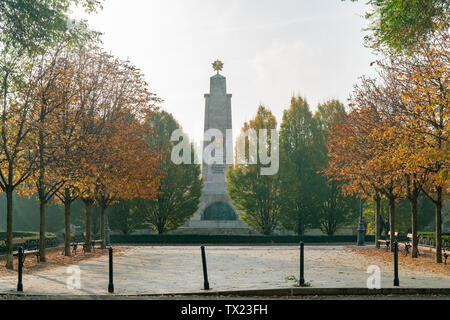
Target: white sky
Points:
(271, 49)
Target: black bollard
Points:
(396, 280)
(20, 263)
(111, 284)
(302, 264)
(205, 271)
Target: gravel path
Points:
(163, 270)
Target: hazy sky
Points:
(271, 49)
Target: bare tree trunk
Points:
(88, 203)
(415, 249)
(103, 226)
(41, 191)
(9, 229)
(439, 225)
(377, 221)
(299, 227)
(42, 205)
(67, 203)
(392, 222)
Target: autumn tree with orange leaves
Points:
(422, 80)
(72, 122)
(53, 93)
(16, 144)
(395, 141)
(127, 169)
(86, 125)
(113, 160)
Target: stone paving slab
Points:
(175, 269)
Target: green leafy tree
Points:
(401, 24)
(336, 209)
(300, 162)
(126, 217)
(28, 25)
(181, 185)
(257, 195)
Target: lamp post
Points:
(361, 227)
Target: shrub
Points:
(29, 237)
(230, 239)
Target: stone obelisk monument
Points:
(216, 214)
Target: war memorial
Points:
(328, 269)
(335, 193)
(216, 214)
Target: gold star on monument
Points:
(217, 65)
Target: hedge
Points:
(230, 239)
(29, 237)
(432, 235)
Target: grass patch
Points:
(294, 279)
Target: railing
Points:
(30, 244)
(430, 242)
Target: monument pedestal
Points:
(204, 221)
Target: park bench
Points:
(387, 241)
(73, 243)
(28, 249)
(94, 242)
(408, 243)
(431, 244)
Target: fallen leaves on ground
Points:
(424, 263)
(55, 258)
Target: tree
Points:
(51, 94)
(29, 28)
(415, 36)
(70, 140)
(255, 194)
(400, 24)
(421, 81)
(28, 25)
(16, 146)
(126, 217)
(335, 207)
(128, 169)
(300, 163)
(351, 150)
(372, 168)
(115, 101)
(180, 186)
(91, 85)
(403, 123)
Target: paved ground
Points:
(165, 270)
